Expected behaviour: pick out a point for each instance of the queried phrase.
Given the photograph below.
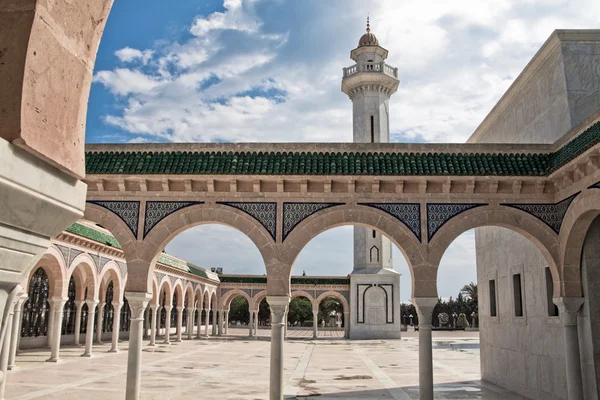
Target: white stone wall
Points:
(559, 89)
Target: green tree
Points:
(238, 310)
(470, 291)
(264, 313)
(330, 306)
(300, 311)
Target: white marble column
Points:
(220, 323)
(59, 304)
(4, 354)
(76, 334)
(199, 323)
(346, 324)
(315, 323)
(278, 305)
(99, 316)
(255, 324)
(251, 325)
(214, 323)
(168, 325)
(285, 328)
(117, 326)
(190, 323)
(50, 329)
(21, 324)
(568, 308)
(16, 333)
(425, 306)
(137, 303)
(207, 320)
(226, 322)
(153, 325)
(179, 323)
(89, 331)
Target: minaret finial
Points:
(368, 25)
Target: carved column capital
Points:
(278, 306)
(91, 305)
(138, 301)
(425, 306)
(568, 307)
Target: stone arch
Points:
(228, 297)
(178, 289)
(155, 292)
(257, 299)
(84, 271)
(188, 295)
(213, 300)
(165, 287)
(203, 214)
(519, 221)
(355, 215)
(111, 271)
(334, 294)
(302, 293)
(581, 213)
(198, 297)
(53, 263)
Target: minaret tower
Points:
(369, 84)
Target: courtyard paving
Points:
(238, 368)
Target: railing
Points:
(376, 67)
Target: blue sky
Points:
(270, 71)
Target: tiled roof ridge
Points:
(223, 162)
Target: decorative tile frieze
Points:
(550, 214)
(407, 213)
(128, 211)
(64, 250)
(156, 211)
(103, 262)
(440, 213)
(73, 254)
(263, 212)
(294, 213)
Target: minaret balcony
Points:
(363, 73)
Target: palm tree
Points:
(470, 290)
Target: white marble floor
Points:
(238, 368)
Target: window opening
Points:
(518, 297)
(552, 308)
(493, 311)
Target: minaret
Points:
(369, 84)
(374, 285)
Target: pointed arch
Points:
(112, 272)
(83, 269)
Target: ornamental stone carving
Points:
(550, 214)
(263, 212)
(156, 211)
(407, 213)
(294, 213)
(440, 213)
(128, 211)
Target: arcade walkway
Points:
(238, 369)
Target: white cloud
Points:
(128, 55)
(237, 16)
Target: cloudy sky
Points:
(270, 71)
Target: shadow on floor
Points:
(452, 390)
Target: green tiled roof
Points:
(338, 163)
(92, 234)
(243, 279)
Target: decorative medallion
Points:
(156, 211)
(294, 213)
(96, 259)
(407, 213)
(550, 214)
(73, 254)
(265, 213)
(64, 250)
(440, 213)
(128, 211)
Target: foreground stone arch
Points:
(519, 221)
(53, 264)
(111, 272)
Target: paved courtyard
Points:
(237, 368)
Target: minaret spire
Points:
(368, 24)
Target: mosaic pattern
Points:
(123, 268)
(440, 213)
(64, 250)
(172, 279)
(156, 211)
(128, 211)
(550, 214)
(103, 262)
(96, 259)
(407, 213)
(294, 213)
(265, 213)
(159, 278)
(73, 254)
